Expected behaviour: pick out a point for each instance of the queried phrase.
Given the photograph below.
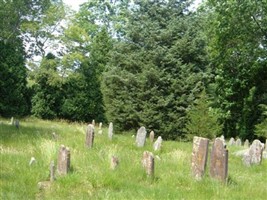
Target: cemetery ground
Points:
(91, 176)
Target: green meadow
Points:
(91, 177)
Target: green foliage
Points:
(14, 99)
(238, 52)
(202, 119)
(156, 70)
(261, 128)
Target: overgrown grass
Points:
(92, 178)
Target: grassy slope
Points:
(91, 177)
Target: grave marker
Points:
(254, 155)
(151, 136)
(89, 138)
(199, 156)
(219, 161)
(141, 137)
(157, 144)
(148, 163)
(110, 130)
(63, 163)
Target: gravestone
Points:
(12, 121)
(141, 137)
(151, 136)
(114, 162)
(254, 155)
(157, 144)
(219, 160)
(238, 142)
(89, 136)
(148, 163)
(17, 123)
(231, 141)
(93, 122)
(32, 161)
(199, 156)
(63, 163)
(246, 143)
(110, 130)
(52, 171)
(100, 131)
(266, 145)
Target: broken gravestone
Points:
(148, 163)
(141, 137)
(199, 156)
(157, 144)
(89, 136)
(110, 130)
(63, 163)
(254, 154)
(219, 161)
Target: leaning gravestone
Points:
(231, 141)
(148, 163)
(110, 130)
(89, 138)
(141, 137)
(157, 144)
(151, 136)
(199, 156)
(219, 160)
(63, 163)
(238, 142)
(246, 143)
(254, 155)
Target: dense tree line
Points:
(155, 63)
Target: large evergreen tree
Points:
(156, 68)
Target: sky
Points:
(75, 3)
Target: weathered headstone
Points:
(100, 131)
(63, 163)
(52, 171)
(93, 122)
(246, 143)
(219, 160)
(17, 123)
(254, 155)
(90, 134)
(110, 130)
(141, 137)
(12, 121)
(114, 162)
(238, 142)
(151, 136)
(148, 163)
(199, 156)
(231, 141)
(157, 144)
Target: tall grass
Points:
(92, 178)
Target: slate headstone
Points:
(90, 134)
(219, 161)
(63, 163)
(148, 163)
(141, 137)
(199, 156)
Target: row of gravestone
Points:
(219, 157)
